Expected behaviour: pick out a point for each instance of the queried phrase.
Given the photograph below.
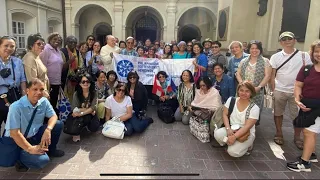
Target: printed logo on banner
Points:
(124, 67)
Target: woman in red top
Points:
(307, 97)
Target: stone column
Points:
(69, 21)
(124, 32)
(75, 30)
(171, 20)
(176, 30)
(164, 34)
(118, 13)
(3, 15)
(275, 25)
(42, 22)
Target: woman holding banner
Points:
(200, 62)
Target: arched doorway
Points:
(101, 30)
(197, 23)
(146, 27)
(92, 19)
(144, 22)
(189, 32)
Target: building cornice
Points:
(36, 4)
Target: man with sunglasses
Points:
(216, 57)
(285, 67)
(129, 50)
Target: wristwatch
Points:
(81, 113)
(227, 128)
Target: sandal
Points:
(278, 140)
(298, 143)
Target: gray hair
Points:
(233, 42)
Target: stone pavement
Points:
(170, 148)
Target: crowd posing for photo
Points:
(221, 101)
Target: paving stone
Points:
(212, 165)
(197, 164)
(294, 175)
(226, 175)
(242, 175)
(260, 166)
(244, 166)
(277, 175)
(260, 175)
(228, 166)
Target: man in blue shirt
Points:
(42, 139)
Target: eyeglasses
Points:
(83, 82)
(132, 77)
(156, 44)
(189, 45)
(286, 38)
(40, 43)
(161, 77)
(129, 42)
(90, 39)
(122, 90)
(215, 47)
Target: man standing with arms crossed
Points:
(285, 67)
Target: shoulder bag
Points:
(287, 61)
(114, 128)
(9, 150)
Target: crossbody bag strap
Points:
(231, 107)
(14, 75)
(30, 122)
(287, 60)
(249, 109)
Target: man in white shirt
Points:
(107, 51)
(282, 83)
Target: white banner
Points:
(147, 68)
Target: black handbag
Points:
(13, 93)
(9, 150)
(165, 113)
(73, 125)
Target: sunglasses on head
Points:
(286, 38)
(83, 82)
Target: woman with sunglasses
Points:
(216, 57)
(101, 88)
(152, 52)
(33, 66)
(12, 76)
(167, 52)
(120, 105)
(84, 105)
(112, 81)
(90, 40)
(138, 93)
(186, 92)
(206, 101)
(167, 95)
(257, 70)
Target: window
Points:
(18, 30)
(50, 29)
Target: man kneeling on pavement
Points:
(39, 141)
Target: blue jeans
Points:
(135, 125)
(40, 161)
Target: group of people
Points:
(85, 73)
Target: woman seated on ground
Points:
(244, 115)
(206, 96)
(222, 82)
(120, 105)
(138, 93)
(186, 91)
(101, 88)
(85, 101)
(112, 81)
(167, 94)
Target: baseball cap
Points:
(286, 34)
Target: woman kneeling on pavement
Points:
(84, 106)
(307, 97)
(239, 129)
(120, 105)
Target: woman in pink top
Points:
(52, 59)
